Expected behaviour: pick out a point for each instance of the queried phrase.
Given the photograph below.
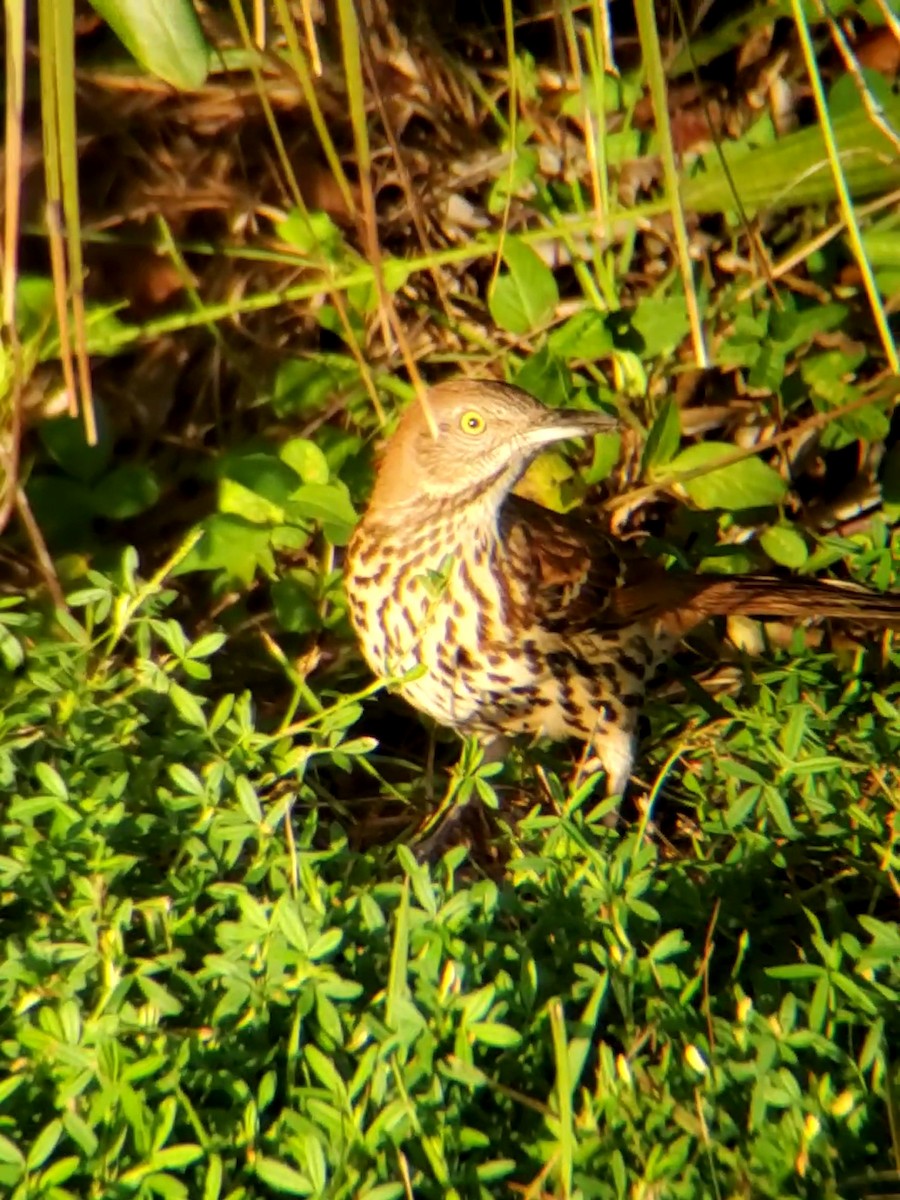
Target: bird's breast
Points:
(430, 607)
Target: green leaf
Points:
(749, 483)
(788, 172)
(278, 1175)
(494, 1033)
(125, 492)
(206, 645)
(785, 545)
(65, 441)
(10, 1152)
(262, 473)
(607, 450)
(584, 337)
(35, 307)
(394, 273)
(188, 706)
(767, 371)
(303, 386)
(163, 35)
(51, 781)
(546, 376)
(526, 296)
(11, 650)
(663, 438)
(295, 608)
(305, 457)
(181, 1155)
(314, 234)
(233, 545)
(329, 505)
(80, 1133)
(828, 373)
(662, 323)
(44, 1144)
(243, 502)
(248, 799)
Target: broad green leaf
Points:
(51, 780)
(263, 473)
(163, 35)
(791, 328)
(785, 545)
(546, 376)
(586, 336)
(394, 273)
(125, 491)
(525, 296)
(544, 479)
(828, 373)
(241, 501)
(793, 171)
(248, 799)
(607, 448)
(305, 457)
(206, 645)
(749, 483)
(233, 545)
(65, 440)
(662, 323)
(329, 505)
(35, 307)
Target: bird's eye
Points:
(472, 422)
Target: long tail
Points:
(684, 601)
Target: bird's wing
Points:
(578, 578)
(575, 576)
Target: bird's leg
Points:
(613, 747)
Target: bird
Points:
(498, 617)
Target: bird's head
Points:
(484, 434)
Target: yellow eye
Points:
(472, 422)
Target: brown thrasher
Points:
(496, 616)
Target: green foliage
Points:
(270, 501)
(525, 296)
(748, 483)
(213, 984)
(207, 992)
(163, 35)
(794, 170)
(85, 484)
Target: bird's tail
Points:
(682, 602)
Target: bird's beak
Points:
(558, 424)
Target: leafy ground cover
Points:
(226, 973)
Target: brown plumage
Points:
(499, 617)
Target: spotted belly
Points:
(471, 675)
(439, 630)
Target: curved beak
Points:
(557, 424)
